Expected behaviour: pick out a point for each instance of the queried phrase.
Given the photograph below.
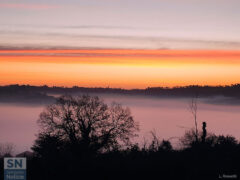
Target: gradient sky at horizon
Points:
(119, 68)
(205, 31)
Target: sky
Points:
(126, 69)
(120, 43)
(137, 24)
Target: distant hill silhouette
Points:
(45, 94)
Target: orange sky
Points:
(119, 68)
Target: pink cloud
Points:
(27, 6)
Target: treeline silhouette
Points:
(31, 94)
(216, 158)
(84, 138)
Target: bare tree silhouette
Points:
(87, 122)
(193, 108)
(6, 149)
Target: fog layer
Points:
(168, 117)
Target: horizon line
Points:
(108, 87)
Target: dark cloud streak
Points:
(28, 6)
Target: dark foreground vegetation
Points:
(209, 160)
(84, 138)
(200, 161)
